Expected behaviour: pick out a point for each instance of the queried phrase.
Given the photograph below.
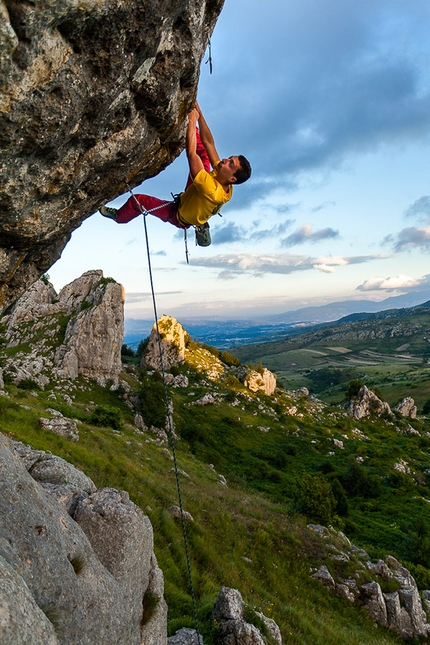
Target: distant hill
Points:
(388, 349)
(337, 310)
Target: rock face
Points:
(229, 611)
(73, 574)
(265, 382)
(400, 610)
(172, 336)
(407, 407)
(93, 94)
(366, 403)
(78, 331)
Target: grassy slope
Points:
(252, 517)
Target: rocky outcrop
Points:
(94, 95)
(230, 611)
(77, 332)
(264, 381)
(407, 408)
(400, 610)
(367, 403)
(72, 573)
(172, 339)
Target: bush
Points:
(127, 351)
(354, 388)
(358, 482)
(314, 498)
(28, 384)
(341, 507)
(152, 400)
(106, 417)
(141, 348)
(426, 407)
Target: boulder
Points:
(261, 382)
(62, 426)
(374, 602)
(59, 583)
(367, 403)
(172, 339)
(229, 612)
(407, 408)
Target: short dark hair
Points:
(243, 173)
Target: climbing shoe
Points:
(109, 212)
(203, 235)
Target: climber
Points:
(206, 191)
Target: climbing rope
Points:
(169, 416)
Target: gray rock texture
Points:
(367, 403)
(407, 407)
(77, 581)
(172, 338)
(401, 611)
(76, 332)
(93, 94)
(230, 610)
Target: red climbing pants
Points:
(167, 211)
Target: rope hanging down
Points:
(169, 416)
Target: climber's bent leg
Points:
(130, 210)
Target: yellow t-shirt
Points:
(203, 198)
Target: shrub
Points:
(420, 573)
(426, 407)
(341, 500)
(106, 417)
(127, 351)
(354, 388)
(152, 400)
(314, 498)
(229, 359)
(358, 482)
(28, 384)
(45, 278)
(141, 348)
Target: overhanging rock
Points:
(94, 94)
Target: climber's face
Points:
(227, 167)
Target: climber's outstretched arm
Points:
(207, 138)
(194, 161)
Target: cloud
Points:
(410, 238)
(322, 206)
(420, 208)
(282, 263)
(305, 234)
(339, 80)
(273, 232)
(134, 297)
(232, 233)
(389, 284)
(228, 233)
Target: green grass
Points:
(248, 535)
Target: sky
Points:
(330, 102)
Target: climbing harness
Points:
(169, 414)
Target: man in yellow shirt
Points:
(206, 192)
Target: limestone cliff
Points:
(77, 332)
(93, 94)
